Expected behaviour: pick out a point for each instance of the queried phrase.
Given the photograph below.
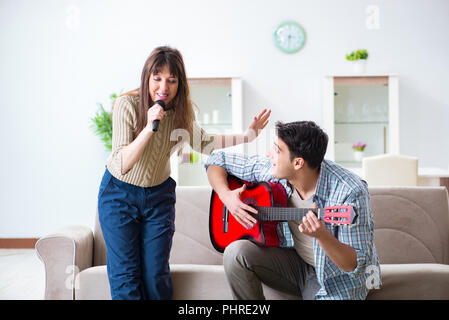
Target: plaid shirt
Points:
(336, 186)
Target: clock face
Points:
(289, 37)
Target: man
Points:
(317, 260)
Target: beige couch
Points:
(411, 237)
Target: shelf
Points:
(215, 124)
(208, 82)
(192, 164)
(363, 110)
(350, 164)
(361, 122)
(348, 161)
(219, 102)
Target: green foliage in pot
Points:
(361, 54)
(102, 123)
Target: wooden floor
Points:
(22, 275)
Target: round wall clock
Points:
(289, 37)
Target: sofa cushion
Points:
(208, 282)
(93, 284)
(199, 282)
(191, 241)
(424, 281)
(411, 224)
(190, 282)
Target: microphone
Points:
(156, 122)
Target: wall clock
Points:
(289, 37)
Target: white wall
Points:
(52, 76)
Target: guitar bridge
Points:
(225, 219)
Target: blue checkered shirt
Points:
(336, 186)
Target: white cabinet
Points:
(360, 108)
(219, 111)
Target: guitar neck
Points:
(282, 213)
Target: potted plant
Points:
(358, 148)
(358, 58)
(102, 124)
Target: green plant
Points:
(360, 54)
(102, 123)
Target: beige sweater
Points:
(153, 167)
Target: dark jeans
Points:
(138, 226)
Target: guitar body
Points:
(225, 229)
(270, 200)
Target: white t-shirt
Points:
(302, 243)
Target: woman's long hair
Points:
(172, 58)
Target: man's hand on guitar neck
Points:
(231, 198)
(312, 226)
(343, 255)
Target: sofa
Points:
(411, 238)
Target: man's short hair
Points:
(305, 139)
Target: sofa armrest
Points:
(417, 281)
(64, 254)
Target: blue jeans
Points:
(138, 225)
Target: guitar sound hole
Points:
(250, 201)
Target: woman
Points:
(136, 200)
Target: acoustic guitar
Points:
(270, 201)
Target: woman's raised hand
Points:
(258, 124)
